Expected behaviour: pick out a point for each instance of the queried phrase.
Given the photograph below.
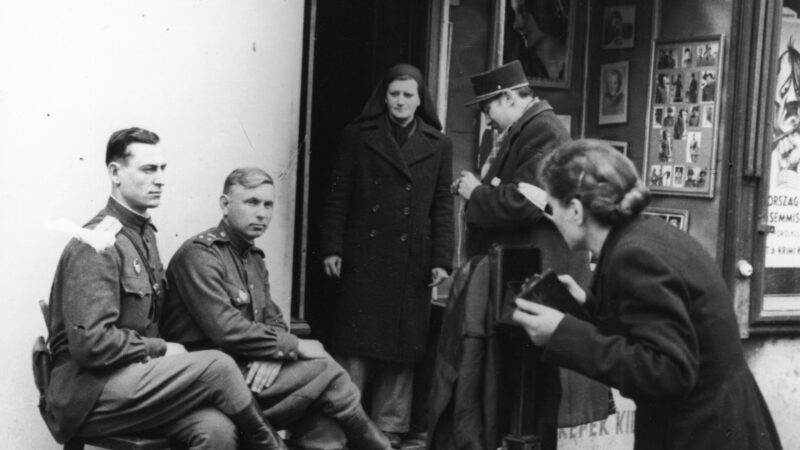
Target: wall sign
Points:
(683, 117)
(678, 218)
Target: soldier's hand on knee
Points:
(261, 374)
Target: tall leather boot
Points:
(254, 432)
(363, 434)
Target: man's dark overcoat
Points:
(389, 215)
(498, 213)
(666, 336)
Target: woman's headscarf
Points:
(376, 105)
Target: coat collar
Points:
(378, 138)
(127, 216)
(614, 236)
(538, 107)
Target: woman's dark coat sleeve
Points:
(651, 350)
(442, 212)
(338, 201)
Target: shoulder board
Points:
(110, 225)
(210, 236)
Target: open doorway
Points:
(350, 46)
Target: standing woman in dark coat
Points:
(388, 233)
(663, 330)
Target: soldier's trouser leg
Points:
(146, 396)
(320, 384)
(206, 428)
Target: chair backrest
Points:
(42, 360)
(45, 312)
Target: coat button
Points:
(406, 211)
(408, 186)
(372, 233)
(403, 237)
(377, 181)
(376, 208)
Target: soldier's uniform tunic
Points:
(219, 298)
(109, 376)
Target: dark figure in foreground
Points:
(663, 330)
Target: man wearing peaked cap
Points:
(497, 212)
(528, 129)
(488, 84)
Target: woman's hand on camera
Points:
(537, 320)
(574, 289)
(333, 266)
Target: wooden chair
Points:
(42, 364)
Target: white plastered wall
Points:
(218, 80)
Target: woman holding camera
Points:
(663, 330)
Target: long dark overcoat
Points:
(389, 215)
(498, 213)
(665, 335)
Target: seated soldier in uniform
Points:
(112, 371)
(220, 299)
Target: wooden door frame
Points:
(744, 224)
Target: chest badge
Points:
(243, 298)
(137, 266)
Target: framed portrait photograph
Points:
(613, 93)
(542, 39)
(679, 218)
(619, 26)
(683, 108)
(621, 146)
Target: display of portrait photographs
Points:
(658, 117)
(677, 176)
(683, 99)
(679, 218)
(620, 146)
(613, 93)
(708, 116)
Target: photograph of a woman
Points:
(613, 97)
(388, 235)
(539, 35)
(663, 329)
